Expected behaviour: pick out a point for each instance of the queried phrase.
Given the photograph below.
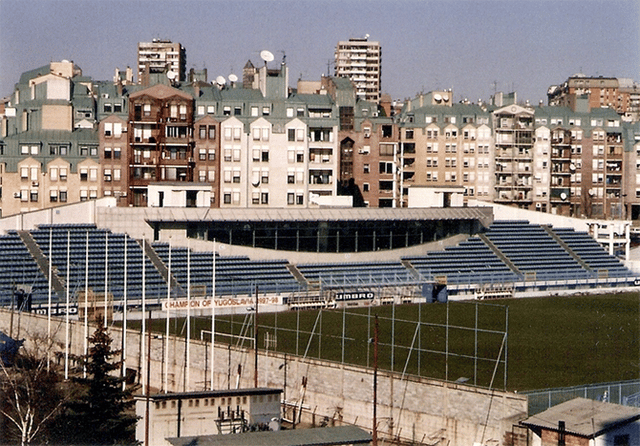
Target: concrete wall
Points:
(411, 408)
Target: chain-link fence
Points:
(626, 393)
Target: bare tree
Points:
(31, 394)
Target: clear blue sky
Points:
(466, 45)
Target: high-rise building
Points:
(361, 61)
(161, 56)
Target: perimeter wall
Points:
(411, 409)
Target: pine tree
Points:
(103, 414)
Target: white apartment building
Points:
(158, 55)
(361, 61)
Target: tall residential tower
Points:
(161, 56)
(361, 61)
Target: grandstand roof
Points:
(483, 214)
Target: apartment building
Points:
(161, 146)
(66, 138)
(161, 56)
(360, 60)
(621, 95)
(48, 145)
(445, 144)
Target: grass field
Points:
(551, 342)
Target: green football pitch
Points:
(550, 342)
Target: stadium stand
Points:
(510, 255)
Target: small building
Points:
(323, 436)
(216, 412)
(436, 196)
(585, 422)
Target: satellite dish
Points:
(592, 192)
(266, 55)
(572, 167)
(437, 97)
(233, 78)
(445, 97)
(171, 75)
(220, 80)
(563, 196)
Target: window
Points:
(386, 149)
(237, 111)
(264, 198)
(107, 175)
(108, 129)
(211, 109)
(116, 174)
(84, 151)
(202, 134)
(24, 173)
(365, 187)
(212, 154)
(226, 111)
(63, 174)
(212, 132)
(291, 198)
(84, 174)
(387, 131)
(53, 174)
(409, 134)
(53, 196)
(107, 153)
(202, 155)
(366, 168)
(63, 196)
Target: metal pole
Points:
(393, 334)
(124, 313)
(188, 340)
(86, 292)
(506, 338)
(475, 355)
(144, 320)
(374, 434)
(343, 329)
(213, 312)
(255, 343)
(49, 299)
(419, 335)
(166, 335)
(106, 274)
(66, 338)
(446, 347)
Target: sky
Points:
(474, 47)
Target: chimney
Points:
(561, 433)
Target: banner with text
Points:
(201, 304)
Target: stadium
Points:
(313, 258)
(163, 265)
